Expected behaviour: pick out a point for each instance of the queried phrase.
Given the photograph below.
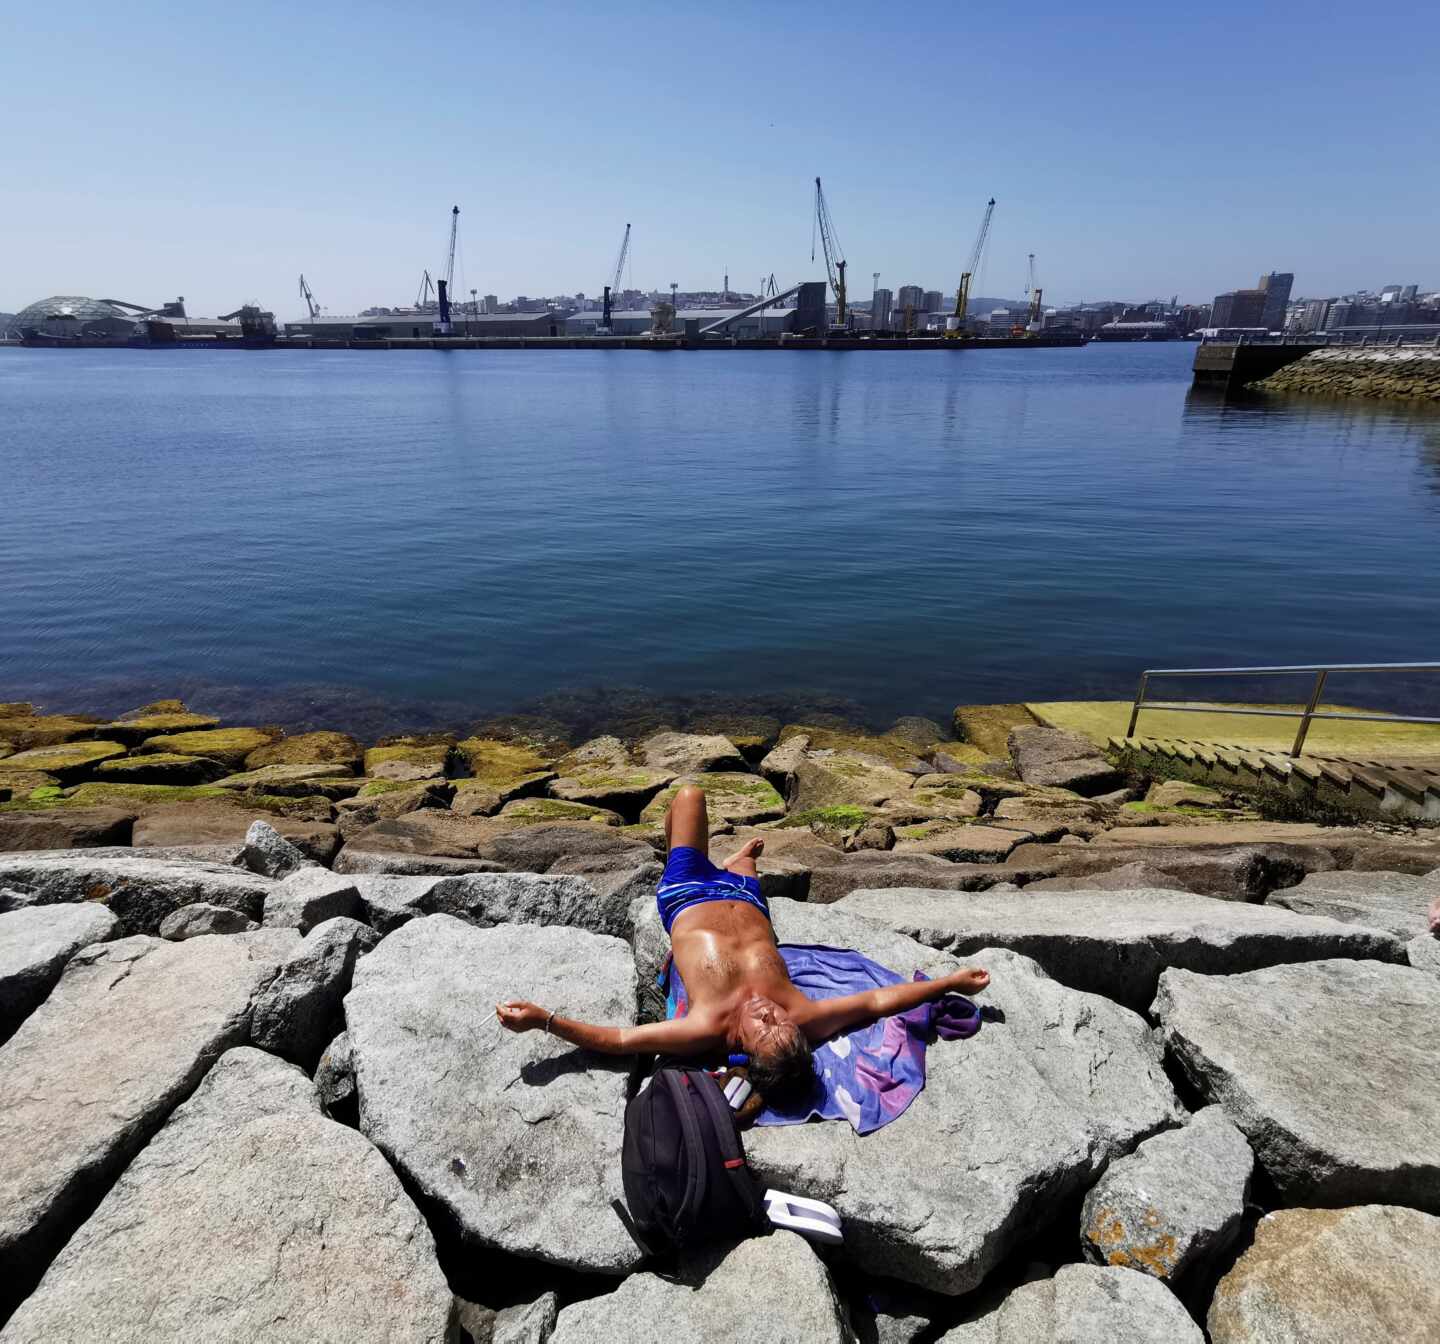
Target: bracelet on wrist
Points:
(549, 1020)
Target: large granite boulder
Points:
(1127, 877)
(269, 853)
(294, 781)
(1424, 953)
(425, 842)
(287, 1226)
(159, 768)
(767, 1288)
(69, 762)
(1396, 902)
(321, 748)
(961, 843)
(389, 900)
(140, 891)
(486, 899)
(298, 1013)
(538, 849)
(825, 779)
(1233, 872)
(133, 728)
(1010, 1124)
(1117, 943)
(875, 869)
(689, 753)
(66, 828)
(1332, 1276)
(1084, 1304)
(125, 1035)
(310, 896)
(200, 920)
(1329, 1068)
(35, 944)
(740, 799)
(1174, 1203)
(517, 1136)
(1050, 757)
(229, 746)
(618, 788)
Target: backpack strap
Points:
(722, 1121)
(682, 1087)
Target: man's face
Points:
(765, 1027)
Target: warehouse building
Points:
(421, 326)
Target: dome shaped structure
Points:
(74, 315)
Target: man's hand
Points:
(521, 1016)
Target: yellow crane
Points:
(956, 326)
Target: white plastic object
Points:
(811, 1218)
(737, 1092)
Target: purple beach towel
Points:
(870, 1075)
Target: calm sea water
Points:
(410, 537)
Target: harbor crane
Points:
(834, 257)
(443, 287)
(956, 325)
(309, 299)
(613, 287)
(426, 293)
(1034, 293)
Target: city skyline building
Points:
(1276, 287)
(881, 306)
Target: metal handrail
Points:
(1306, 715)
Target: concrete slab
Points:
(1101, 719)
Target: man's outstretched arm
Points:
(679, 1036)
(824, 1018)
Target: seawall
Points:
(1395, 373)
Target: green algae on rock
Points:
(534, 811)
(67, 761)
(737, 798)
(159, 768)
(229, 746)
(322, 748)
(135, 728)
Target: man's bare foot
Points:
(970, 981)
(748, 853)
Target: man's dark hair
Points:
(788, 1069)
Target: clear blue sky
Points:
(1138, 149)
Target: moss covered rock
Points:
(24, 731)
(736, 798)
(135, 728)
(308, 749)
(67, 761)
(881, 747)
(21, 783)
(599, 773)
(988, 727)
(296, 781)
(933, 805)
(135, 797)
(754, 734)
(159, 768)
(690, 753)
(959, 842)
(832, 778)
(534, 811)
(837, 825)
(410, 762)
(229, 746)
(16, 709)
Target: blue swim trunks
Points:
(691, 879)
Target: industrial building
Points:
(69, 317)
(767, 322)
(421, 325)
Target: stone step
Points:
(1400, 790)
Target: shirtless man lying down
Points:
(741, 997)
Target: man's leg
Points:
(687, 822)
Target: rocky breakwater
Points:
(1392, 373)
(261, 1045)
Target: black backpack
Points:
(683, 1165)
